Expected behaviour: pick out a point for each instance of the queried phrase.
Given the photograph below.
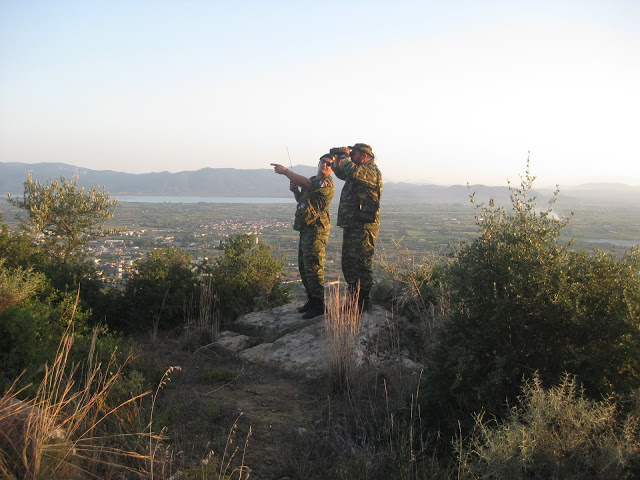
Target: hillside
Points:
(233, 182)
(220, 182)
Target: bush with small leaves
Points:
(519, 303)
(554, 433)
(247, 276)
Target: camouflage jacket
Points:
(312, 211)
(362, 183)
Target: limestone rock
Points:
(298, 345)
(235, 342)
(302, 351)
(272, 324)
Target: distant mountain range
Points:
(231, 182)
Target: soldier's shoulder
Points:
(325, 182)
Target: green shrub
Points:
(30, 333)
(522, 303)
(247, 276)
(19, 253)
(554, 434)
(158, 287)
(17, 285)
(33, 317)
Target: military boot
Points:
(305, 307)
(316, 308)
(364, 303)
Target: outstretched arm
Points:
(299, 180)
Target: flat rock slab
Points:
(304, 351)
(273, 324)
(285, 341)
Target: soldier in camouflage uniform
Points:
(359, 217)
(312, 221)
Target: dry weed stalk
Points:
(155, 441)
(343, 322)
(63, 429)
(221, 469)
(242, 471)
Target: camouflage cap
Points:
(364, 148)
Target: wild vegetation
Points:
(529, 347)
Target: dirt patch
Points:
(218, 401)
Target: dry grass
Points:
(67, 430)
(201, 319)
(343, 322)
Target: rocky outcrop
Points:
(280, 337)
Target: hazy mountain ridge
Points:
(231, 182)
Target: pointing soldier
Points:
(312, 221)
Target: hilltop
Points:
(269, 377)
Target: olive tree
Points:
(66, 214)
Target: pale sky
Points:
(446, 92)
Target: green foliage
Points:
(217, 374)
(554, 434)
(602, 311)
(520, 303)
(16, 249)
(17, 285)
(158, 287)
(26, 342)
(66, 215)
(247, 276)
(30, 333)
(17, 252)
(27, 336)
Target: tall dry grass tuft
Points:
(343, 322)
(201, 319)
(67, 430)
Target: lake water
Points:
(178, 199)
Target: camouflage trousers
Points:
(358, 249)
(311, 255)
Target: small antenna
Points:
(290, 165)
